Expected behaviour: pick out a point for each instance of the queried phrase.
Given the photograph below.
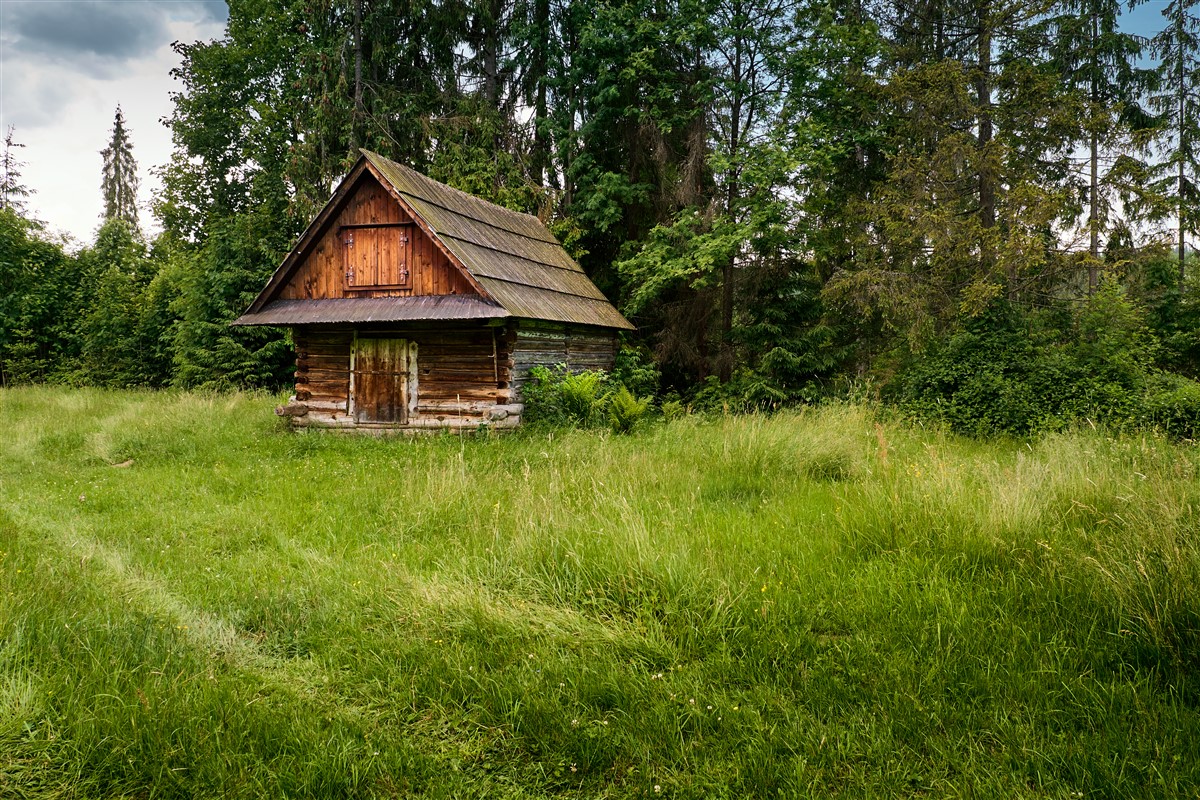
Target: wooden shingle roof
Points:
(520, 267)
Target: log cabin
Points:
(413, 305)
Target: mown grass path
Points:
(195, 602)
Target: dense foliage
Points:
(941, 198)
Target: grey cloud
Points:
(201, 11)
(82, 31)
(52, 52)
(31, 99)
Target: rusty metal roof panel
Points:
(372, 309)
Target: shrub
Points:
(540, 394)
(747, 391)
(1172, 404)
(582, 396)
(673, 408)
(560, 397)
(1009, 372)
(634, 368)
(625, 410)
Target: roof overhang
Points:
(284, 313)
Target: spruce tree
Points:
(119, 183)
(1099, 61)
(1178, 49)
(978, 139)
(12, 191)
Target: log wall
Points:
(466, 375)
(322, 272)
(460, 378)
(323, 375)
(535, 344)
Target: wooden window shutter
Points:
(377, 256)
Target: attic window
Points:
(377, 255)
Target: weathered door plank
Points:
(381, 380)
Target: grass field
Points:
(195, 602)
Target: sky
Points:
(65, 66)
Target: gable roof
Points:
(516, 264)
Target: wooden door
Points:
(379, 388)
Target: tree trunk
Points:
(359, 114)
(541, 149)
(490, 57)
(1094, 212)
(731, 197)
(1182, 251)
(987, 180)
(568, 148)
(1182, 149)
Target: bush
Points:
(1008, 372)
(634, 368)
(1172, 404)
(582, 396)
(625, 410)
(750, 390)
(559, 397)
(674, 408)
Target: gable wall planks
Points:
(322, 272)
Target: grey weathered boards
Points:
(379, 380)
(414, 305)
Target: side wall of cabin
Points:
(547, 344)
(466, 374)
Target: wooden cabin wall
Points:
(459, 373)
(535, 344)
(467, 373)
(462, 375)
(323, 374)
(321, 274)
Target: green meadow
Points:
(197, 602)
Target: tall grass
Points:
(195, 602)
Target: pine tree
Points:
(978, 134)
(1178, 49)
(1099, 61)
(12, 191)
(119, 183)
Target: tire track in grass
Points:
(279, 697)
(441, 735)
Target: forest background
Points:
(979, 209)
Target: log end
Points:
(291, 410)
